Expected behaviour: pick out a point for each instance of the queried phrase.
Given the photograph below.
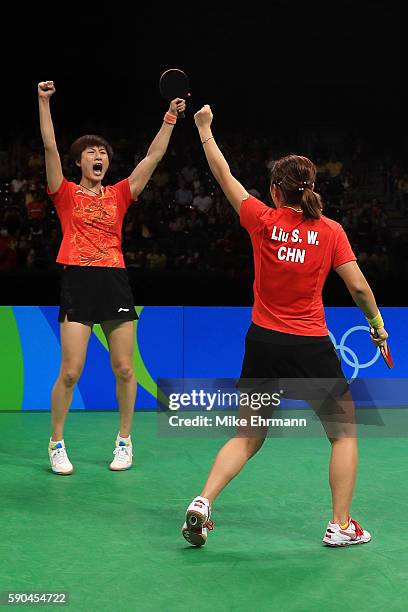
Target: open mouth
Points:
(97, 168)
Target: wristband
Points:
(376, 321)
(206, 140)
(170, 118)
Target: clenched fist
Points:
(46, 89)
(203, 117)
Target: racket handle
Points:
(181, 115)
(384, 350)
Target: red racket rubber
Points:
(384, 349)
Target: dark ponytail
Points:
(296, 175)
(311, 204)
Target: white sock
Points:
(126, 440)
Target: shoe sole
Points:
(193, 531)
(62, 473)
(346, 543)
(119, 469)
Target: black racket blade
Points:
(174, 84)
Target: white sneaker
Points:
(353, 534)
(123, 456)
(198, 522)
(60, 464)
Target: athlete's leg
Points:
(228, 463)
(121, 340)
(235, 453)
(74, 341)
(338, 419)
(342, 476)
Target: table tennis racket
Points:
(384, 349)
(174, 84)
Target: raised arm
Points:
(52, 159)
(232, 188)
(363, 296)
(145, 168)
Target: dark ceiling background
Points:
(268, 68)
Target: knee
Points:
(252, 444)
(345, 439)
(123, 371)
(70, 376)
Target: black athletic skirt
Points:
(96, 294)
(304, 367)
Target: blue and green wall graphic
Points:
(171, 342)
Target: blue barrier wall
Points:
(171, 342)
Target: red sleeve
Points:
(342, 253)
(62, 197)
(250, 213)
(124, 197)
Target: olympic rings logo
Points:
(348, 355)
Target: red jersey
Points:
(91, 225)
(292, 258)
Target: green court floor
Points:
(112, 540)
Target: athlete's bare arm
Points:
(144, 169)
(362, 294)
(52, 159)
(233, 190)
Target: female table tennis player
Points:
(288, 337)
(95, 286)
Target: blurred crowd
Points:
(182, 221)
